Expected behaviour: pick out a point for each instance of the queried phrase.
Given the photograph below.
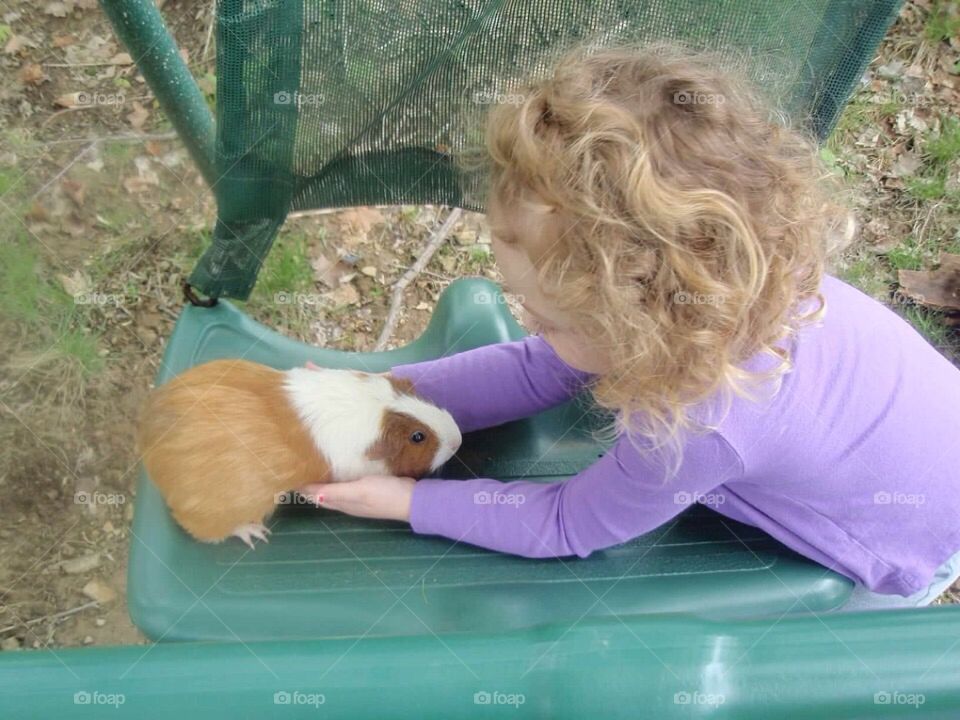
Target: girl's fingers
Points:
(316, 493)
(352, 498)
(372, 496)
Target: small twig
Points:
(438, 276)
(57, 114)
(170, 313)
(65, 168)
(86, 64)
(397, 299)
(55, 616)
(114, 138)
(213, 21)
(312, 213)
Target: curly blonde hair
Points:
(692, 226)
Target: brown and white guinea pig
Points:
(226, 439)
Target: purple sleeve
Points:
(621, 496)
(494, 384)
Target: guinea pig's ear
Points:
(406, 444)
(402, 386)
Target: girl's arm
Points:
(494, 384)
(618, 498)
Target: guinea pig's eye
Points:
(418, 436)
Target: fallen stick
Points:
(113, 138)
(55, 616)
(396, 300)
(213, 21)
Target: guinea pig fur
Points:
(225, 440)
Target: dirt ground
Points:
(103, 213)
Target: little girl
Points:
(667, 239)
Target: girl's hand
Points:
(384, 497)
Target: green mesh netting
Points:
(331, 103)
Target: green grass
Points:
(285, 295)
(928, 323)
(866, 274)
(944, 147)
(188, 253)
(287, 268)
(940, 151)
(57, 326)
(479, 257)
(120, 152)
(906, 256)
(8, 179)
(20, 289)
(927, 188)
(953, 245)
(81, 347)
(942, 24)
(19, 140)
(858, 114)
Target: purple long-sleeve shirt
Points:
(854, 463)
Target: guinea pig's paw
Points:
(252, 530)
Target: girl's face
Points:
(539, 316)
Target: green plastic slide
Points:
(325, 574)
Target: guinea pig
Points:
(225, 440)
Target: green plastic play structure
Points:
(323, 103)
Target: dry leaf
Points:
(136, 185)
(99, 591)
(36, 213)
(74, 227)
(58, 9)
(939, 288)
(76, 284)
(329, 272)
(346, 294)
(71, 100)
(360, 219)
(906, 165)
(153, 147)
(891, 71)
(82, 564)
(74, 190)
(121, 59)
(139, 116)
(32, 74)
(14, 45)
(145, 179)
(62, 41)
